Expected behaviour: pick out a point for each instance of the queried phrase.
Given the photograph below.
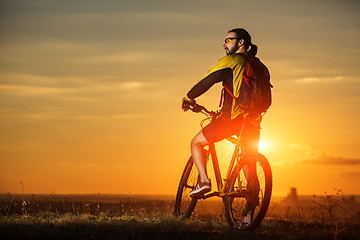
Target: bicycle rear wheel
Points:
(248, 207)
(184, 204)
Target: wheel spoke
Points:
(237, 207)
(184, 204)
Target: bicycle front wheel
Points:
(184, 204)
(249, 196)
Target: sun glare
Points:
(264, 146)
(225, 148)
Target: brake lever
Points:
(197, 108)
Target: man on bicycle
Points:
(229, 71)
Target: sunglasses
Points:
(230, 39)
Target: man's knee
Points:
(199, 140)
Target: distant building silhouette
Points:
(292, 197)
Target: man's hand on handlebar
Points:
(193, 106)
(186, 103)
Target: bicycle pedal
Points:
(213, 194)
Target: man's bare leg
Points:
(197, 145)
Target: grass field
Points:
(147, 217)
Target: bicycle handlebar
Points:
(213, 115)
(199, 108)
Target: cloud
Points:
(350, 175)
(32, 90)
(309, 156)
(324, 159)
(125, 57)
(305, 150)
(36, 85)
(308, 80)
(79, 165)
(131, 85)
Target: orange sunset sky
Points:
(90, 91)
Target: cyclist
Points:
(228, 71)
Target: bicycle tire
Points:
(184, 204)
(236, 206)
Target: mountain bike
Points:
(245, 191)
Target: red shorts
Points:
(222, 128)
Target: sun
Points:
(264, 146)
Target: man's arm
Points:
(206, 83)
(216, 74)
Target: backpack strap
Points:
(231, 94)
(222, 95)
(246, 80)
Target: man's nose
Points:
(224, 45)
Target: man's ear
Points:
(241, 42)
